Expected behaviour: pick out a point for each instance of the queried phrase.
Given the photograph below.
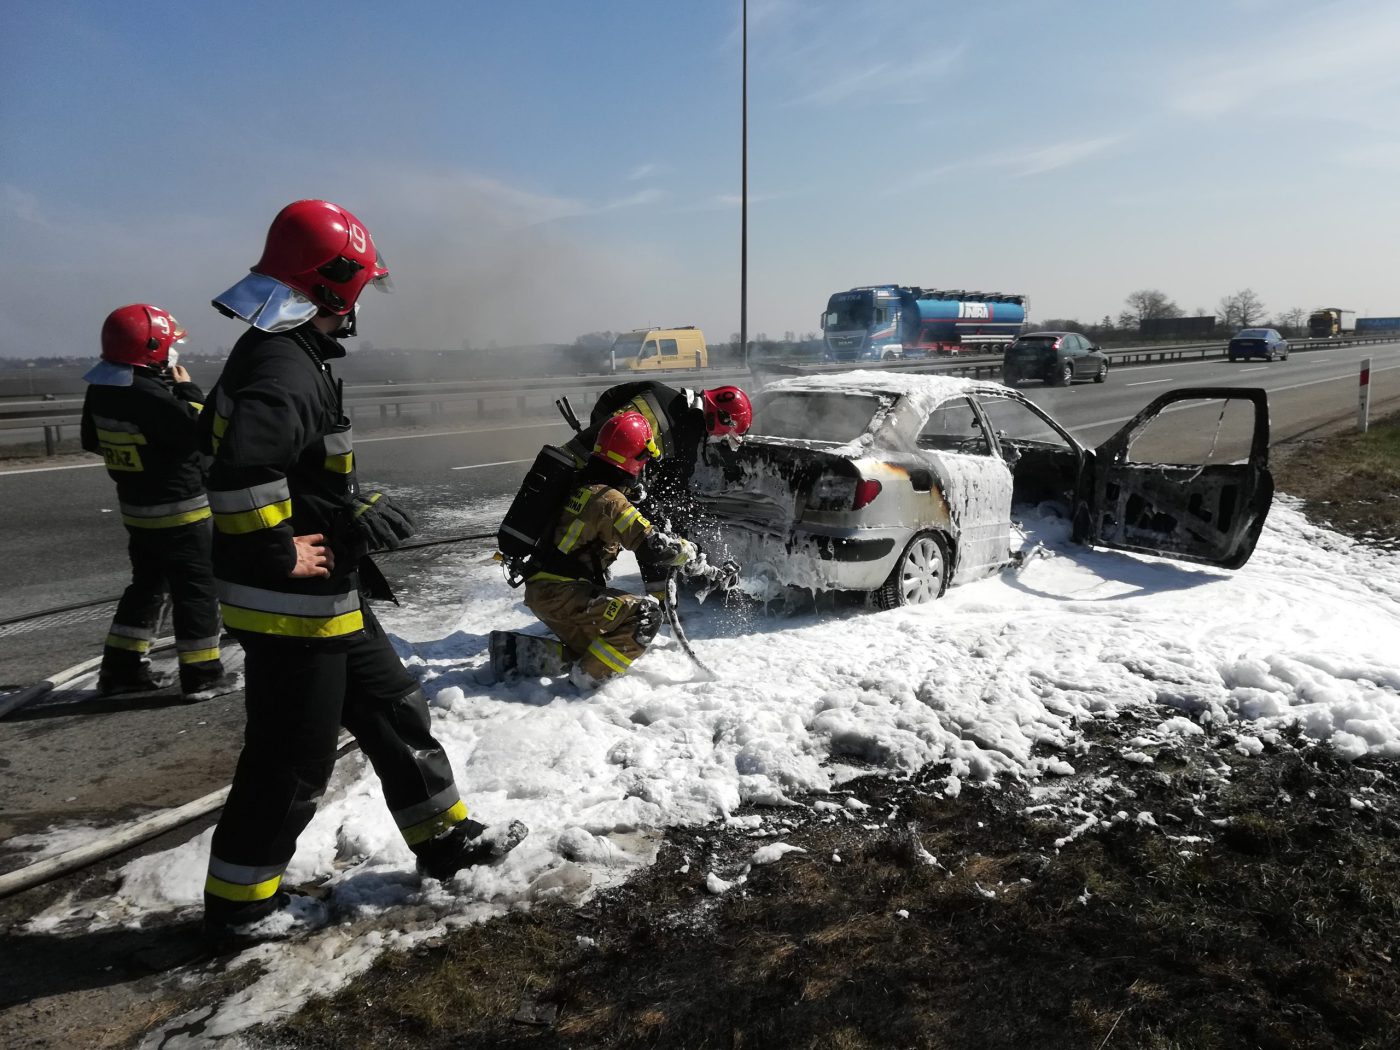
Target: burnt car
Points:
(1257, 342)
(1054, 358)
(898, 485)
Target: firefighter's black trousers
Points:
(172, 561)
(299, 695)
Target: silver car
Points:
(899, 484)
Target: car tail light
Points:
(866, 491)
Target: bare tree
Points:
(1292, 321)
(1146, 304)
(1244, 309)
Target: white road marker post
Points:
(1363, 397)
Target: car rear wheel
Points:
(1102, 373)
(1066, 376)
(1009, 378)
(920, 575)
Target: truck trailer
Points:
(1377, 325)
(885, 321)
(1328, 322)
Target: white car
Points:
(900, 484)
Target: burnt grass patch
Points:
(1256, 905)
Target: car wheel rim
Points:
(922, 577)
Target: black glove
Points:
(381, 523)
(718, 578)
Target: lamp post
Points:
(744, 199)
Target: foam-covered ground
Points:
(995, 680)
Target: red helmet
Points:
(324, 252)
(139, 334)
(624, 441)
(727, 411)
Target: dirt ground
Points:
(1260, 912)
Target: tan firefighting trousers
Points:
(600, 626)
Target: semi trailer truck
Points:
(1327, 322)
(884, 321)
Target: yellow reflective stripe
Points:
(217, 429)
(251, 520)
(117, 437)
(571, 536)
(426, 829)
(232, 891)
(199, 656)
(642, 406)
(370, 502)
(609, 656)
(197, 406)
(292, 626)
(626, 518)
(135, 645)
(122, 457)
(342, 464)
(167, 522)
(555, 577)
(616, 457)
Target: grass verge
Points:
(1213, 899)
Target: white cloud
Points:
(1339, 51)
(1057, 155)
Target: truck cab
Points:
(658, 349)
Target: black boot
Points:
(467, 844)
(135, 678)
(279, 917)
(206, 681)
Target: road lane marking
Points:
(1256, 368)
(41, 470)
(1188, 404)
(454, 433)
(500, 463)
(1149, 382)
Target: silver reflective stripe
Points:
(439, 803)
(161, 510)
(234, 501)
(266, 303)
(517, 534)
(339, 443)
(244, 874)
(190, 645)
(119, 425)
(321, 605)
(121, 630)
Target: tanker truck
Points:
(886, 321)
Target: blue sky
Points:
(535, 170)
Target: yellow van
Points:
(657, 349)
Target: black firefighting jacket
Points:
(148, 434)
(677, 422)
(283, 466)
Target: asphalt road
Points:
(63, 541)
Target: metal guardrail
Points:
(52, 417)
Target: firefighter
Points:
(601, 630)
(680, 421)
(141, 415)
(293, 534)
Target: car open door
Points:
(1206, 512)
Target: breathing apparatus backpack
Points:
(550, 480)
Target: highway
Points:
(63, 541)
